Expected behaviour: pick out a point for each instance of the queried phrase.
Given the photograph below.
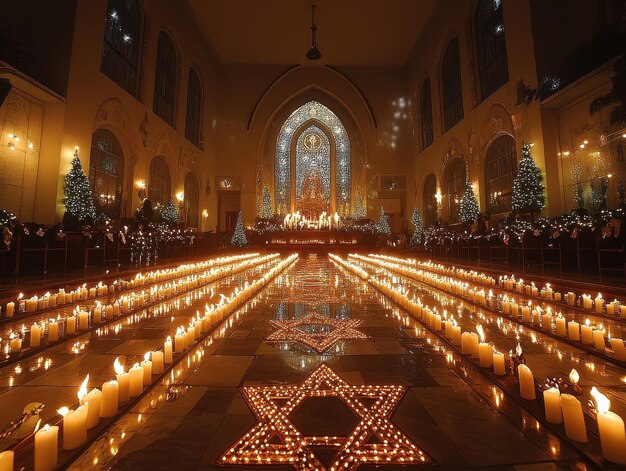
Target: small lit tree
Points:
(528, 189)
(80, 209)
(360, 212)
(468, 209)
(382, 227)
(418, 224)
(239, 238)
(266, 204)
(170, 213)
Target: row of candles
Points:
(83, 293)
(295, 220)
(104, 403)
(586, 301)
(82, 319)
(583, 333)
(559, 407)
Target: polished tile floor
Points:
(445, 412)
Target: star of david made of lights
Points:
(276, 440)
(294, 330)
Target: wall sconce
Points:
(181, 196)
(141, 189)
(438, 198)
(205, 213)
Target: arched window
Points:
(430, 200)
(106, 173)
(165, 79)
(500, 169)
(194, 108)
(455, 187)
(192, 194)
(120, 47)
(491, 47)
(159, 187)
(451, 90)
(426, 114)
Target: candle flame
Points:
(63, 411)
(602, 402)
(20, 296)
(587, 322)
(146, 356)
(574, 376)
(518, 349)
(481, 332)
(38, 424)
(169, 339)
(83, 388)
(599, 296)
(118, 367)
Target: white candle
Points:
(31, 304)
(123, 380)
(83, 320)
(94, 399)
(53, 330)
(586, 333)
(526, 382)
(571, 297)
(561, 326)
(15, 343)
(611, 427)
(157, 362)
(46, 448)
(74, 426)
(586, 301)
(619, 350)
(573, 329)
(498, 363)
(70, 325)
(167, 348)
(110, 399)
(179, 342)
(61, 296)
(485, 355)
(6, 460)
(599, 303)
(146, 364)
(10, 309)
(573, 418)
(598, 339)
(35, 336)
(136, 380)
(552, 404)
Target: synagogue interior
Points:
(313, 235)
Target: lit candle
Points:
(526, 382)
(61, 296)
(586, 333)
(552, 404)
(485, 352)
(619, 350)
(526, 312)
(611, 427)
(157, 362)
(97, 314)
(167, 348)
(179, 341)
(136, 380)
(53, 330)
(31, 304)
(123, 380)
(561, 328)
(15, 343)
(571, 297)
(6, 460)
(83, 320)
(46, 448)
(110, 398)
(586, 301)
(498, 363)
(74, 426)
(94, 399)
(10, 309)
(35, 336)
(573, 418)
(70, 325)
(599, 303)
(573, 329)
(146, 364)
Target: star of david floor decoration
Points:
(274, 439)
(292, 330)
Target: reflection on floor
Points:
(396, 397)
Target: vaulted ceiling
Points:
(367, 33)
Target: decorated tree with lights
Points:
(468, 209)
(239, 238)
(80, 209)
(382, 227)
(360, 211)
(418, 224)
(170, 213)
(528, 189)
(266, 204)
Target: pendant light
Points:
(314, 53)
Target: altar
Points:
(300, 238)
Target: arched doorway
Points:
(106, 173)
(430, 200)
(500, 170)
(313, 153)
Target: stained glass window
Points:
(491, 47)
(313, 172)
(451, 86)
(106, 170)
(159, 188)
(165, 79)
(312, 112)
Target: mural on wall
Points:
(21, 121)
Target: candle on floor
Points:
(598, 338)
(15, 343)
(74, 426)
(6, 460)
(110, 398)
(123, 380)
(561, 328)
(46, 448)
(35, 336)
(157, 362)
(31, 304)
(552, 404)
(83, 320)
(611, 427)
(61, 296)
(146, 364)
(94, 399)
(498, 363)
(586, 333)
(10, 309)
(573, 418)
(97, 314)
(485, 352)
(179, 341)
(53, 330)
(619, 349)
(526, 382)
(587, 301)
(167, 349)
(456, 333)
(136, 380)
(599, 303)
(573, 330)
(70, 325)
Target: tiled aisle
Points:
(450, 412)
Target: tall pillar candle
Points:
(70, 325)
(83, 320)
(598, 340)
(552, 404)
(573, 418)
(485, 355)
(586, 333)
(498, 363)
(157, 362)
(53, 330)
(110, 399)
(136, 380)
(46, 448)
(75, 427)
(94, 399)
(526, 382)
(6, 460)
(619, 349)
(561, 328)
(35, 336)
(573, 329)
(167, 350)
(612, 436)
(146, 364)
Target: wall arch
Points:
(445, 40)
